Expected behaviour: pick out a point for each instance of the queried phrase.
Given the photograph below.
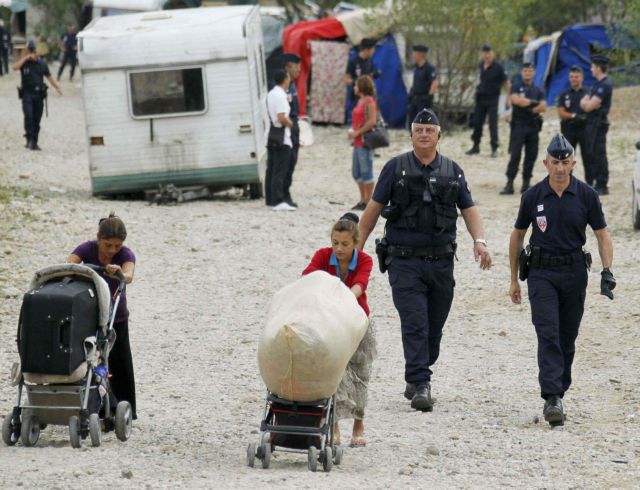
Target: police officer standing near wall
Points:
(425, 83)
(292, 67)
(362, 64)
(597, 105)
(573, 118)
(5, 48)
(69, 47)
(492, 77)
(33, 70)
(558, 208)
(528, 101)
(417, 192)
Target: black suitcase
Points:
(54, 321)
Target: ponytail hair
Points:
(112, 227)
(348, 222)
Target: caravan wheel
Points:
(30, 431)
(10, 432)
(255, 191)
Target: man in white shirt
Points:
(278, 143)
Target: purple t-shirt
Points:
(88, 253)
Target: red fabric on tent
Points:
(295, 39)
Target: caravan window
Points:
(167, 92)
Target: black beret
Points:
(486, 47)
(31, 46)
(420, 48)
(290, 58)
(575, 68)
(426, 116)
(528, 64)
(599, 59)
(367, 43)
(560, 148)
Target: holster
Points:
(524, 263)
(588, 259)
(20, 92)
(382, 251)
(535, 259)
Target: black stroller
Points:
(300, 427)
(65, 334)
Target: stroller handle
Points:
(118, 274)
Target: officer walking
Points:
(558, 208)
(5, 48)
(362, 64)
(492, 77)
(528, 101)
(33, 69)
(292, 67)
(597, 105)
(69, 46)
(417, 193)
(573, 118)
(425, 83)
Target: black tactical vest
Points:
(423, 204)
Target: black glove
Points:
(580, 118)
(607, 283)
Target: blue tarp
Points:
(390, 89)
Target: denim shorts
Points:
(362, 165)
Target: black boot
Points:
(508, 188)
(553, 411)
(409, 391)
(494, 153)
(422, 398)
(525, 185)
(475, 149)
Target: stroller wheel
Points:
(74, 432)
(30, 431)
(327, 459)
(338, 452)
(124, 419)
(266, 455)
(251, 454)
(10, 432)
(312, 457)
(95, 431)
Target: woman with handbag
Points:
(363, 119)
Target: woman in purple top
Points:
(109, 252)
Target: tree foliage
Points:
(56, 15)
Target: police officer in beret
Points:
(292, 67)
(528, 101)
(492, 77)
(572, 117)
(558, 208)
(362, 64)
(418, 193)
(597, 105)
(33, 69)
(425, 83)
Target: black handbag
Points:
(377, 136)
(275, 138)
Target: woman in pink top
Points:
(363, 118)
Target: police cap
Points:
(560, 148)
(367, 43)
(486, 47)
(291, 58)
(528, 64)
(420, 48)
(599, 59)
(426, 116)
(31, 46)
(575, 69)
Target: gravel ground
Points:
(206, 271)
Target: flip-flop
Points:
(357, 442)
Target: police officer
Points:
(528, 101)
(33, 70)
(362, 64)
(558, 208)
(5, 48)
(597, 105)
(425, 83)
(573, 118)
(69, 46)
(417, 192)
(292, 67)
(492, 77)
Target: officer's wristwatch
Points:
(480, 240)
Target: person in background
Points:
(69, 47)
(5, 48)
(353, 267)
(425, 83)
(292, 67)
(360, 65)
(573, 118)
(363, 119)
(109, 251)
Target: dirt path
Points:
(205, 275)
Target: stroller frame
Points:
(328, 453)
(68, 403)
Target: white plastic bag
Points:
(313, 328)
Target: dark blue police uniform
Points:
(492, 78)
(557, 284)
(292, 94)
(419, 98)
(355, 68)
(525, 125)
(33, 94)
(70, 42)
(574, 129)
(422, 282)
(5, 46)
(597, 127)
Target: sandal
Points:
(358, 441)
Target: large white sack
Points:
(314, 326)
